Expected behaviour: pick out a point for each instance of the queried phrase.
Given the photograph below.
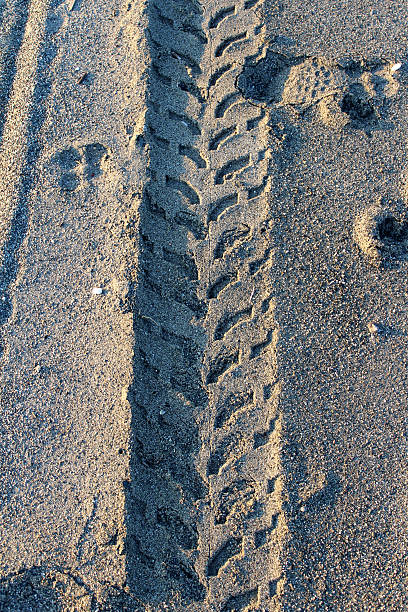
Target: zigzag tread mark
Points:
(229, 321)
(166, 216)
(229, 169)
(231, 548)
(237, 506)
(229, 238)
(234, 403)
(223, 47)
(220, 16)
(221, 137)
(242, 601)
(221, 205)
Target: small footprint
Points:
(75, 164)
(68, 160)
(348, 93)
(94, 154)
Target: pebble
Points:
(97, 291)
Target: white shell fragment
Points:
(396, 67)
(97, 291)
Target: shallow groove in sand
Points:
(19, 147)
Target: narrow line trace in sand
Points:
(14, 144)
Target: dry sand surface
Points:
(203, 305)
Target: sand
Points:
(203, 252)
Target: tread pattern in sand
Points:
(168, 391)
(204, 319)
(243, 433)
(203, 497)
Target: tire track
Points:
(13, 19)
(24, 87)
(243, 526)
(168, 393)
(204, 326)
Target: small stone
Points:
(374, 328)
(83, 78)
(302, 509)
(97, 291)
(162, 412)
(396, 67)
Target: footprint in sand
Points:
(82, 162)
